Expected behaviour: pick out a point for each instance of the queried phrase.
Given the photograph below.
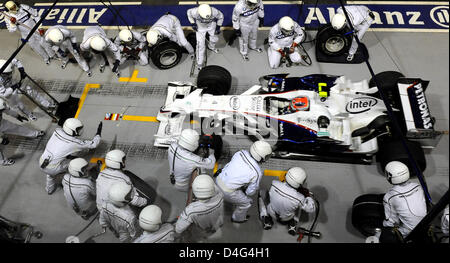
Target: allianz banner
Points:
(389, 16)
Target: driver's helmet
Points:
(300, 104)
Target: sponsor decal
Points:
(235, 103)
(257, 103)
(360, 105)
(398, 15)
(419, 107)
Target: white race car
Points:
(315, 117)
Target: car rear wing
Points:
(416, 112)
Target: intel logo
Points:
(360, 105)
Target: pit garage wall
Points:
(428, 16)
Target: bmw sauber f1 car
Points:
(315, 117)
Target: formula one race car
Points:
(315, 117)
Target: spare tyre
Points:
(215, 80)
(368, 213)
(192, 39)
(333, 42)
(166, 54)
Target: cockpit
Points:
(282, 106)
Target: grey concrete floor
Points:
(22, 194)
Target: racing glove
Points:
(75, 47)
(261, 21)
(116, 65)
(99, 129)
(281, 52)
(217, 30)
(194, 27)
(238, 32)
(16, 86)
(41, 31)
(13, 20)
(21, 118)
(62, 53)
(23, 75)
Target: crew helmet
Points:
(125, 35)
(286, 25)
(205, 11)
(55, 35)
(396, 172)
(98, 44)
(260, 151)
(73, 127)
(119, 194)
(189, 139)
(115, 159)
(150, 218)
(11, 6)
(203, 187)
(78, 167)
(338, 21)
(153, 37)
(295, 177)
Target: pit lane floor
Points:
(22, 194)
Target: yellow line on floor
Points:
(95, 159)
(139, 118)
(133, 78)
(84, 95)
(278, 173)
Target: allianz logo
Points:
(360, 105)
(440, 15)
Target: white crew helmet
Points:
(2, 104)
(189, 139)
(8, 68)
(97, 43)
(261, 151)
(118, 194)
(251, 3)
(295, 177)
(55, 35)
(11, 6)
(115, 159)
(203, 187)
(396, 172)
(153, 36)
(125, 35)
(150, 218)
(286, 25)
(78, 167)
(205, 11)
(338, 21)
(73, 127)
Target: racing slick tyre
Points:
(333, 42)
(215, 79)
(368, 213)
(394, 151)
(388, 81)
(166, 54)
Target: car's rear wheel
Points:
(394, 151)
(166, 55)
(368, 213)
(215, 80)
(388, 84)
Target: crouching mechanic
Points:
(404, 204)
(96, 41)
(113, 173)
(64, 41)
(5, 161)
(62, 147)
(248, 15)
(24, 18)
(284, 200)
(205, 19)
(183, 161)
(169, 26)
(154, 231)
(204, 214)
(240, 178)
(132, 45)
(117, 215)
(79, 189)
(284, 39)
(10, 91)
(360, 17)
